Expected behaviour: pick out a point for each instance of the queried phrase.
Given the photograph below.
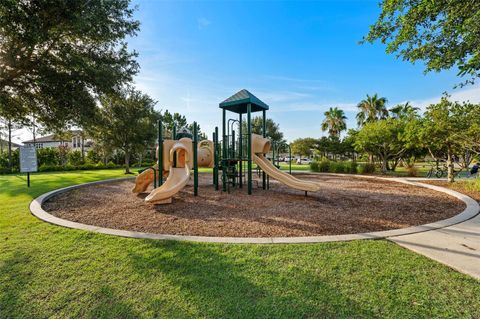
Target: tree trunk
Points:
(10, 146)
(384, 165)
(83, 149)
(450, 177)
(127, 163)
(370, 158)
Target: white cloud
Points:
(463, 95)
(202, 23)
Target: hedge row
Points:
(70, 167)
(345, 167)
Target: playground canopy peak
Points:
(238, 102)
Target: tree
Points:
(442, 34)
(303, 146)
(382, 138)
(442, 129)
(273, 129)
(126, 121)
(178, 120)
(58, 56)
(471, 136)
(405, 110)
(371, 109)
(334, 122)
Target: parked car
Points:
(304, 161)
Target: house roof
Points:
(4, 142)
(47, 138)
(52, 138)
(238, 102)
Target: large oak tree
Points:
(441, 33)
(58, 56)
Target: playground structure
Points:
(178, 156)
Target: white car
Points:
(304, 161)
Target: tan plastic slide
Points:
(284, 178)
(177, 178)
(260, 146)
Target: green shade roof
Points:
(238, 102)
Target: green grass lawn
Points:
(54, 272)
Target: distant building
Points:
(4, 145)
(74, 141)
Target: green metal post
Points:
(224, 150)
(264, 133)
(174, 132)
(155, 178)
(290, 159)
(240, 152)
(195, 161)
(216, 158)
(249, 147)
(160, 153)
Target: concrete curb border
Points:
(471, 210)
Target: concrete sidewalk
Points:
(457, 246)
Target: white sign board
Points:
(28, 159)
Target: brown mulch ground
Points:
(344, 205)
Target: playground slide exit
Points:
(177, 179)
(284, 178)
(262, 145)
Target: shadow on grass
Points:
(244, 286)
(19, 296)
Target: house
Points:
(74, 139)
(4, 145)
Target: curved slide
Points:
(177, 178)
(283, 177)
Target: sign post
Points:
(28, 161)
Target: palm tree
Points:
(404, 111)
(371, 109)
(334, 121)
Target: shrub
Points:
(110, 165)
(93, 156)
(48, 156)
(337, 167)
(314, 166)
(367, 168)
(50, 168)
(351, 167)
(412, 171)
(75, 158)
(87, 166)
(69, 167)
(324, 166)
(100, 165)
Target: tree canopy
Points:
(371, 109)
(273, 129)
(443, 34)
(382, 138)
(58, 56)
(304, 146)
(334, 122)
(126, 121)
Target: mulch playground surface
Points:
(344, 205)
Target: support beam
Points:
(224, 150)
(249, 147)
(195, 160)
(264, 133)
(240, 151)
(160, 153)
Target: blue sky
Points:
(299, 57)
